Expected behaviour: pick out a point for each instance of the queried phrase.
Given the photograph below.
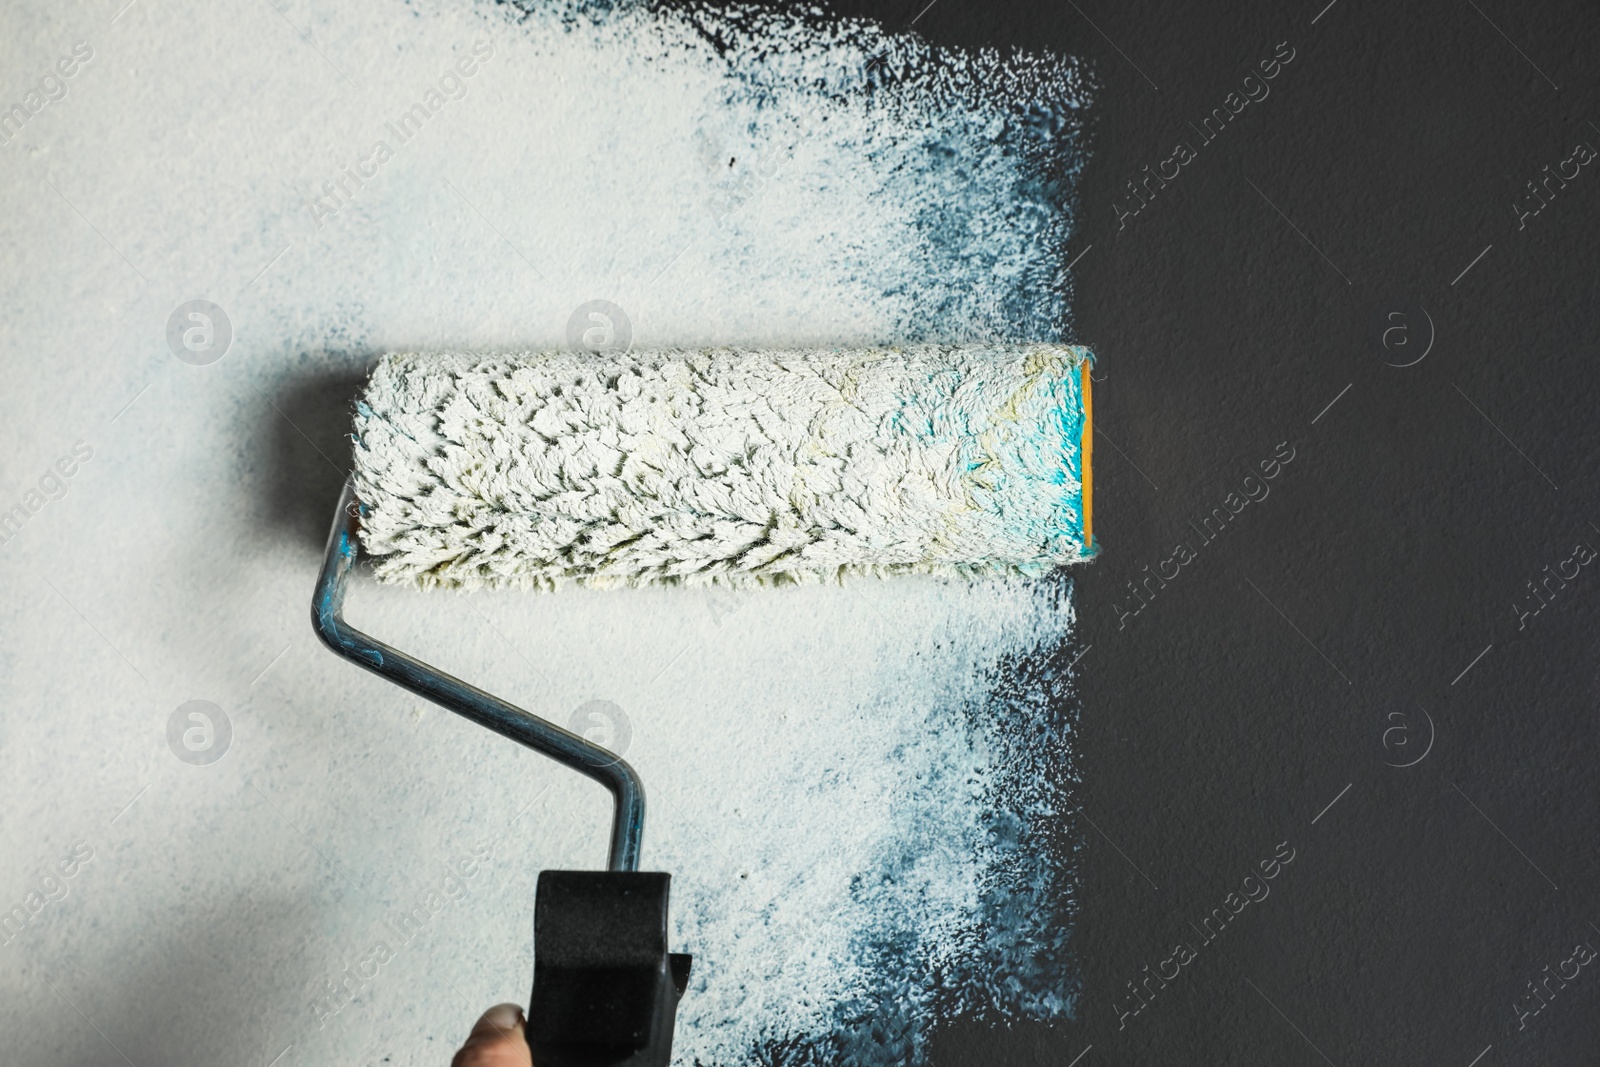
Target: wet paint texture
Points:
(860, 791)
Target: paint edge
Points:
(1086, 453)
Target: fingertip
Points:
(501, 1018)
(497, 1040)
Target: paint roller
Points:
(692, 468)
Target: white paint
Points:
(720, 466)
(591, 161)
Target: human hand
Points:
(496, 1040)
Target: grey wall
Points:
(1370, 601)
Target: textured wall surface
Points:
(1332, 654)
(1324, 633)
(225, 844)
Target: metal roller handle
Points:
(546, 738)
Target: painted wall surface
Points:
(1279, 290)
(227, 844)
(1344, 659)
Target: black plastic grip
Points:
(605, 988)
